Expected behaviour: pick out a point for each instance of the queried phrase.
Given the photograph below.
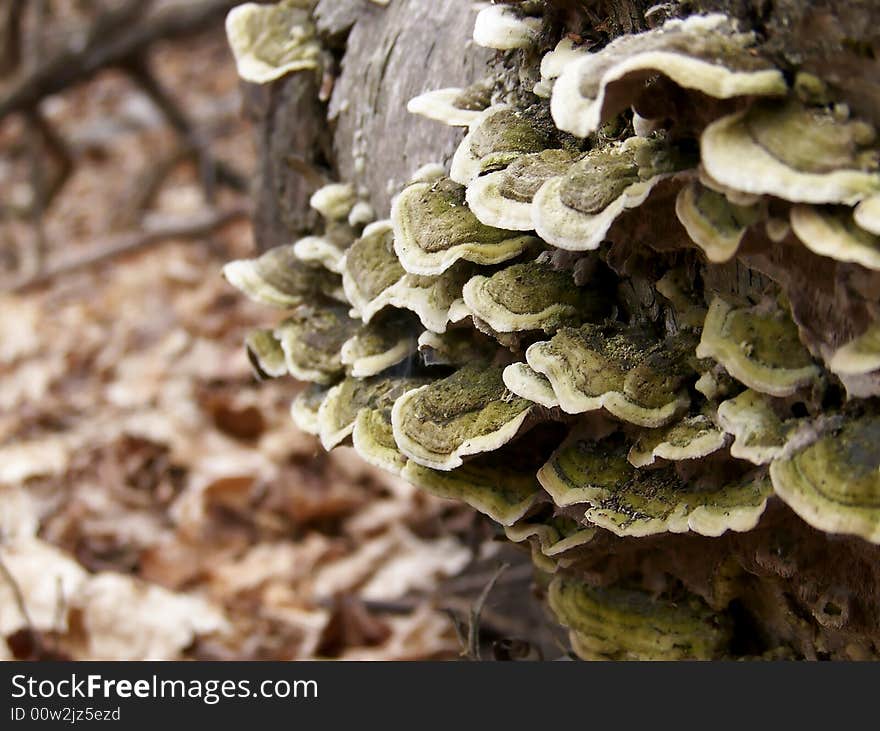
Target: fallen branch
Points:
(176, 228)
(473, 637)
(115, 40)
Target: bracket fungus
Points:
(373, 279)
(343, 403)
(373, 434)
(436, 300)
(466, 413)
(553, 63)
(687, 312)
(370, 268)
(705, 53)
(304, 408)
(319, 251)
(532, 296)
(504, 29)
(265, 354)
(452, 106)
(832, 232)
(271, 41)
(660, 501)
(373, 439)
(691, 438)
(492, 484)
(867, 214)
(626, 624)
(554, 534)
(860, 355)
(759, 433)
(833, 483)
(495, 139)
(504, 198)
(526, 383)
(334, 201)
(312, 338)
(794, 152)
(456, 347)
(629, 501)
(434, 228)
(381, 343)
(757, 345)
(626, 371)
(714, 224)
(575, 210)
(280, 279)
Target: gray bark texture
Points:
(364, 135)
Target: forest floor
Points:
(155, 499)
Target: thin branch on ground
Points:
(473, 644)
(114, 40)
(191, 227)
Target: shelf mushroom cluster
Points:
(564, 330)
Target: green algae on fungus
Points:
(434, 228)
(469, 412)
(833, 232)
(713, 223)
(532, 296)
(659, 501)
(759, 434)
(436, 300)
(344, 402)
(625, 624)
(265, 353)
(373, 437)
(705, 53)
(638, 502)
(457, 347)
(495, 484)
(278, 278)
(691, 438)
(271, 41)
(833, 483)
(798, 153)
(374, 279)
(504, 198)
(582, 469)
(386, 340)
(500, 135)
(758, 346)
(625, 370)
(370, 268)
(312, 337)
(575, 210)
